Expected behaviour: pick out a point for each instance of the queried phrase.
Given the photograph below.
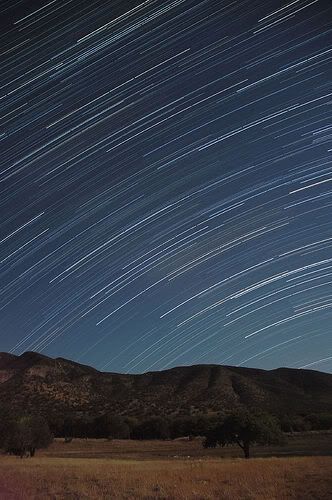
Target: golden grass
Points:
(46, 477)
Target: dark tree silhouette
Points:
(118, 428)
(152, 428)
(27, 434)
(245, 429)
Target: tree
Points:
(152, 428)
(245, 429)
(181, 427)
(41, 434)
(68, 427)
(27, 434)
(118, 428)
(320, 421)
(4, 422)
(198, 425)
(294, 423)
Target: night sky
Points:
(166, 182)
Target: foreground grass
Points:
(47, 477)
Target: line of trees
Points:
(25, 434)
(120, 427)
(310, 422)
(162, 427)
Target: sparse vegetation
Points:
(71, 395)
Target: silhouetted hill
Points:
(34, 382)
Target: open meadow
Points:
(179, 469)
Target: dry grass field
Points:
(308, 444)
(178, 470)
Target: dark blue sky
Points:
(166, 182)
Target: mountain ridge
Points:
(58, 386)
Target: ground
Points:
(180, 469)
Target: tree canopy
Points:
(26, 434)
(244, 429)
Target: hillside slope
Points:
(59, 386)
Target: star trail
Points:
(166, 182)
